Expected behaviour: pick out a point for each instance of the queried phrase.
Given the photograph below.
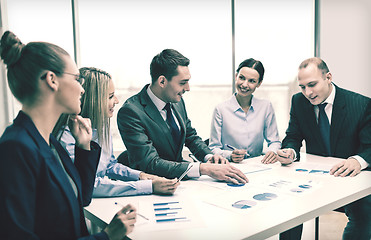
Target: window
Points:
(281, 35)
(42, 20)
(122, 37)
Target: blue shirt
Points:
(127, 181)
(231, 125)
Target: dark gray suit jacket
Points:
(148, 139)
(350, 132)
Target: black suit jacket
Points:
(36, 197)
(148, 139)
(350, 131)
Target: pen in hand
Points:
(185, 173)
(234, 148)
(285, 152)
(119, 204)
(193, 157)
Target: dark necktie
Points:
(171, 122)
(324, 126)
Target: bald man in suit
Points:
(333, 122)
(154, 126)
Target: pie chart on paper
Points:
(244, 204)
(265, 196)
(297, 190)
(305, 186)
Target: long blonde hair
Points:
(94, 102)
(93, 105)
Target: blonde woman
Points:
(112, 178)
(42, 192)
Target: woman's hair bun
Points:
(10, 48)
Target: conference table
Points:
(275, 199)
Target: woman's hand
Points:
(238, 155)
(122, 223)
(81, 130)
(269, 157)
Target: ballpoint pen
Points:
(193, 157)
(119, 204)
(185, 173)
(288, 157)
(234, 148)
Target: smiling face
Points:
(247, 80)
(174, 89)
(112, 99)
(315, 85)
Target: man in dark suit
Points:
(154, 126)
(333, 122)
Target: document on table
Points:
(245, 200)
(246, 168)
(249, 168)
(169, 213)
(312, 168)
(289, 185)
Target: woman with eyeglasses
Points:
(113, 179)
(42, 191)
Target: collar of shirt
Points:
(236, 106)
(158, 102)
(160, 106)
(330, 99)
(330, 102)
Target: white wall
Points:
(345, 42)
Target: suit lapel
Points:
(55, 167)
(337, 118)
(153, 113)
(67, 163)
(179, 113)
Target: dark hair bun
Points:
(10, 48)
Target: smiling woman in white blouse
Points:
(242, 123)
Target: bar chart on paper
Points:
(169, 213)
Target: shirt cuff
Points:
(295, 156)
(195, 170)
(134, 174)
(144, 187)
(361, 161)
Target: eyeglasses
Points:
(79, 78)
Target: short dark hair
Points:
(321, 65)
(166, 63)
(254, 64)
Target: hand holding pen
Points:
(238, 154)
(122, 223)
(285, 156)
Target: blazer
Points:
(350, 130)
(37, 200)
(148, 139)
